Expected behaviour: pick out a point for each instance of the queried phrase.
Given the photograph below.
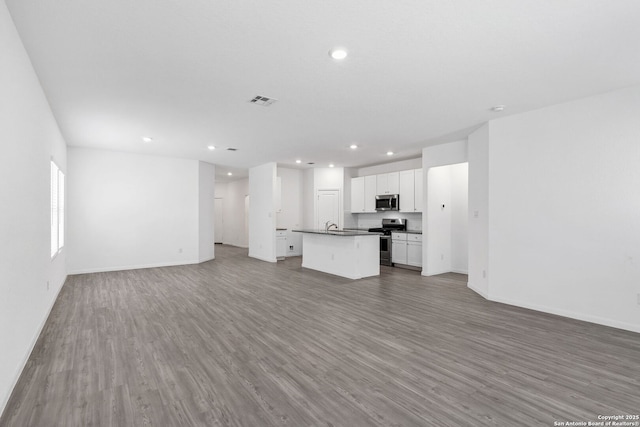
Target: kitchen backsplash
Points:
(371, 220)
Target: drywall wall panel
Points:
(290, 215)
(29, 279)
(262, 216)
(206, 212)
(478, 212)
(564, 201)
(460, 218)
(131, 211)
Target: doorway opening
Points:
(447, 224)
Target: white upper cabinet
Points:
(370, 193)
(407, 191)
(388, 183)
(363, 194)
(418, 191)
(357, 194)
(408, 184)
(382, 183)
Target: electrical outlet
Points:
(48, 289)
(179, 250)
(484, 274)
(441, 257)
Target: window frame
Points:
(57, 209)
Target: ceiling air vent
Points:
(232, 149)
(263, 100)
(311, 163)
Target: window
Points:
(57, 209)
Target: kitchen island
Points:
(348, 253)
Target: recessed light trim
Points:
(498, 108)
(229, 173)
(390, 153)
(331, 165)
(338, 53)
(147, 139)
(298, 161)
(211, 147)
(353, 146)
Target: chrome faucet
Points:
(328, 225)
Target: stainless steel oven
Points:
(388, 225)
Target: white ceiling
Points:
(418, 71)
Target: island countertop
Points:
(343, 233)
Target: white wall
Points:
(434, 156)
(350, 220)
(308, 204)
(130, 211)
(328, 179)
(459, 218)
(206, 221)
(233, 200)
(447, 226)
(236, 231)
(30, 139)
(291, 214)
(565, 209)
(479, 211)
(438, 231)
(262, 217)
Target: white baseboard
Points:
(571, 314)
(455, 270)
(477, 290)
(34, 340)
(237, 246)
(206, 259)
(132, 267)
(261, 258)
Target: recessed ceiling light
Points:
(389, 153)
(211, 147)
(498, 108)
(331, 165)
(229, 173)
(147, 139)
(338, 53)
(353, 146)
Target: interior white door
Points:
(218, 220)
(328, 208)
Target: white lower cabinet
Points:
(406, 249)
(414, 250)
(399, 248)
(399, 252)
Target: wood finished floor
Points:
(241, 342)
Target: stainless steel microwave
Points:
(387, 202)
